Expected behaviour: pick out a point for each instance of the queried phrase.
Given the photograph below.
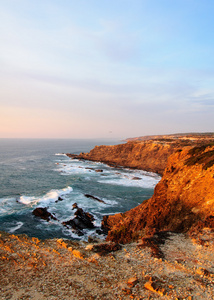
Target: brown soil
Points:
(62, 269)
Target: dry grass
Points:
(62, 269)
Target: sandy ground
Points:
(63, 269)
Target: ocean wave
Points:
(17, 226)
(126, 177)
(73, 167)
(8, 205)
(70, 169)
(50, 196)
(27, 200)
(60, 154)
(53, 195)
(131, 181)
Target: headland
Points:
(162, 249)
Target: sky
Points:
(106, 69)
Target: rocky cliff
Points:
(183, 200)
(148, 155)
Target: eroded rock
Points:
(82, 220)
(182, 200)
(104, 248)
(95, 198)
(59, 199)
(43, 213)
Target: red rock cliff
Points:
(182, 199)
(145, 155)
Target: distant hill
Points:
(188, 136)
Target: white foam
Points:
(70, 233)
(122, 177)
(53, 195)
(49, 197)
(74, 167)
(18, 225)
(70, 169)
(9, 206)
(131, 181)
(60, 154)
(27, 200)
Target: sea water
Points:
(36, 172)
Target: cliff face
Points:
(149, 155)
(183, 199)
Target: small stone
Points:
(89, 247)
(149, 285)
(77, 254)
(96, 256)
(132, 281)
(125, 289)
(203, 272)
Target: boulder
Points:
(43, 213)
(82, 220)
(59, 199)
(105, 248)
(132, 281)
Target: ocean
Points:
(36, 172)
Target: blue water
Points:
(35, 172)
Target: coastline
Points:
(182, 200)
(158, 263)
(145, 153)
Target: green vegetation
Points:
(198, 156)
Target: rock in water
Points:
(82, 220)
(42, 213)
(95, 198)
(59, 199)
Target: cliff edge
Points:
(183, 200)
(149, 153)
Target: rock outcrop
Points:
(43, 213)
(95, 198)
(149, 154)
(82, 220)
(182, 200)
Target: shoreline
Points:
(156, 264)
(182, 199)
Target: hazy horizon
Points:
(103, 138)
(116, 69)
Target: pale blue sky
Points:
(85, 69)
